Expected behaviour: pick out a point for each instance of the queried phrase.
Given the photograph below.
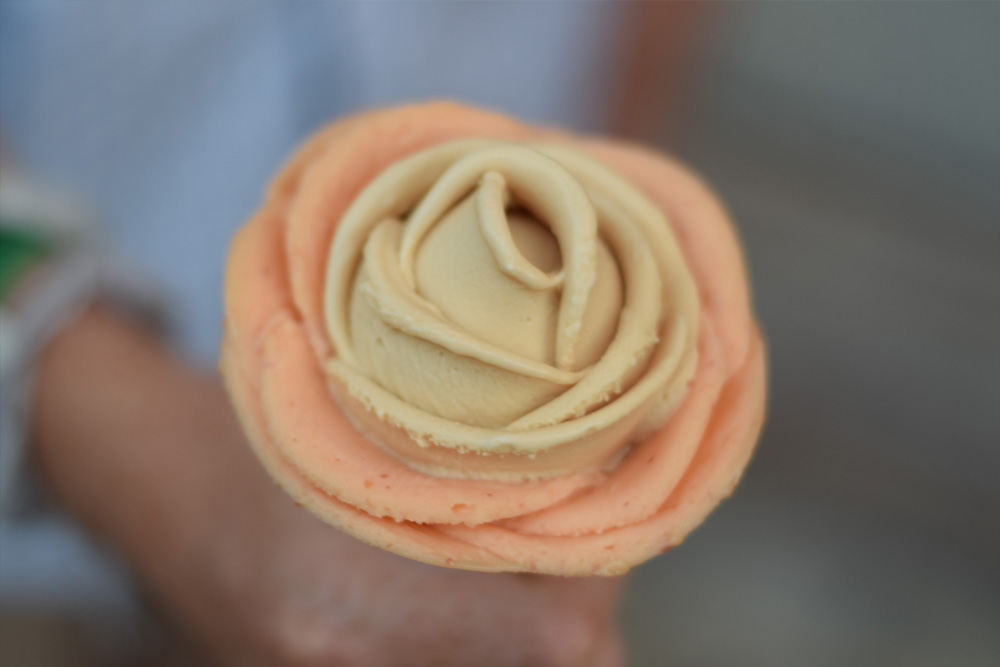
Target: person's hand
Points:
(148, 453)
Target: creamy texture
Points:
(357, 454)
(507, 310)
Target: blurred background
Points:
(858, 148)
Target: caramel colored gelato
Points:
(517, 310)
(488, 346)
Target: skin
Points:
(146, 452)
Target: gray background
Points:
(858, 147)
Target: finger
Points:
(609, 652)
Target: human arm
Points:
(147, 453)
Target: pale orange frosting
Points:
(483, 345)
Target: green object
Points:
(20, 248)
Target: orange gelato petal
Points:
(711, 477)
(276, 350)
(416, 541)
(256, 285)
(713, 474)
(644, 480)
(310, 431)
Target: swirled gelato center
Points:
(509, 299)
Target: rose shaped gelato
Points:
(489, 346)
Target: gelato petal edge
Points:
(489, 346)
(617, 305)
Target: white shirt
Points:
(169, 118)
